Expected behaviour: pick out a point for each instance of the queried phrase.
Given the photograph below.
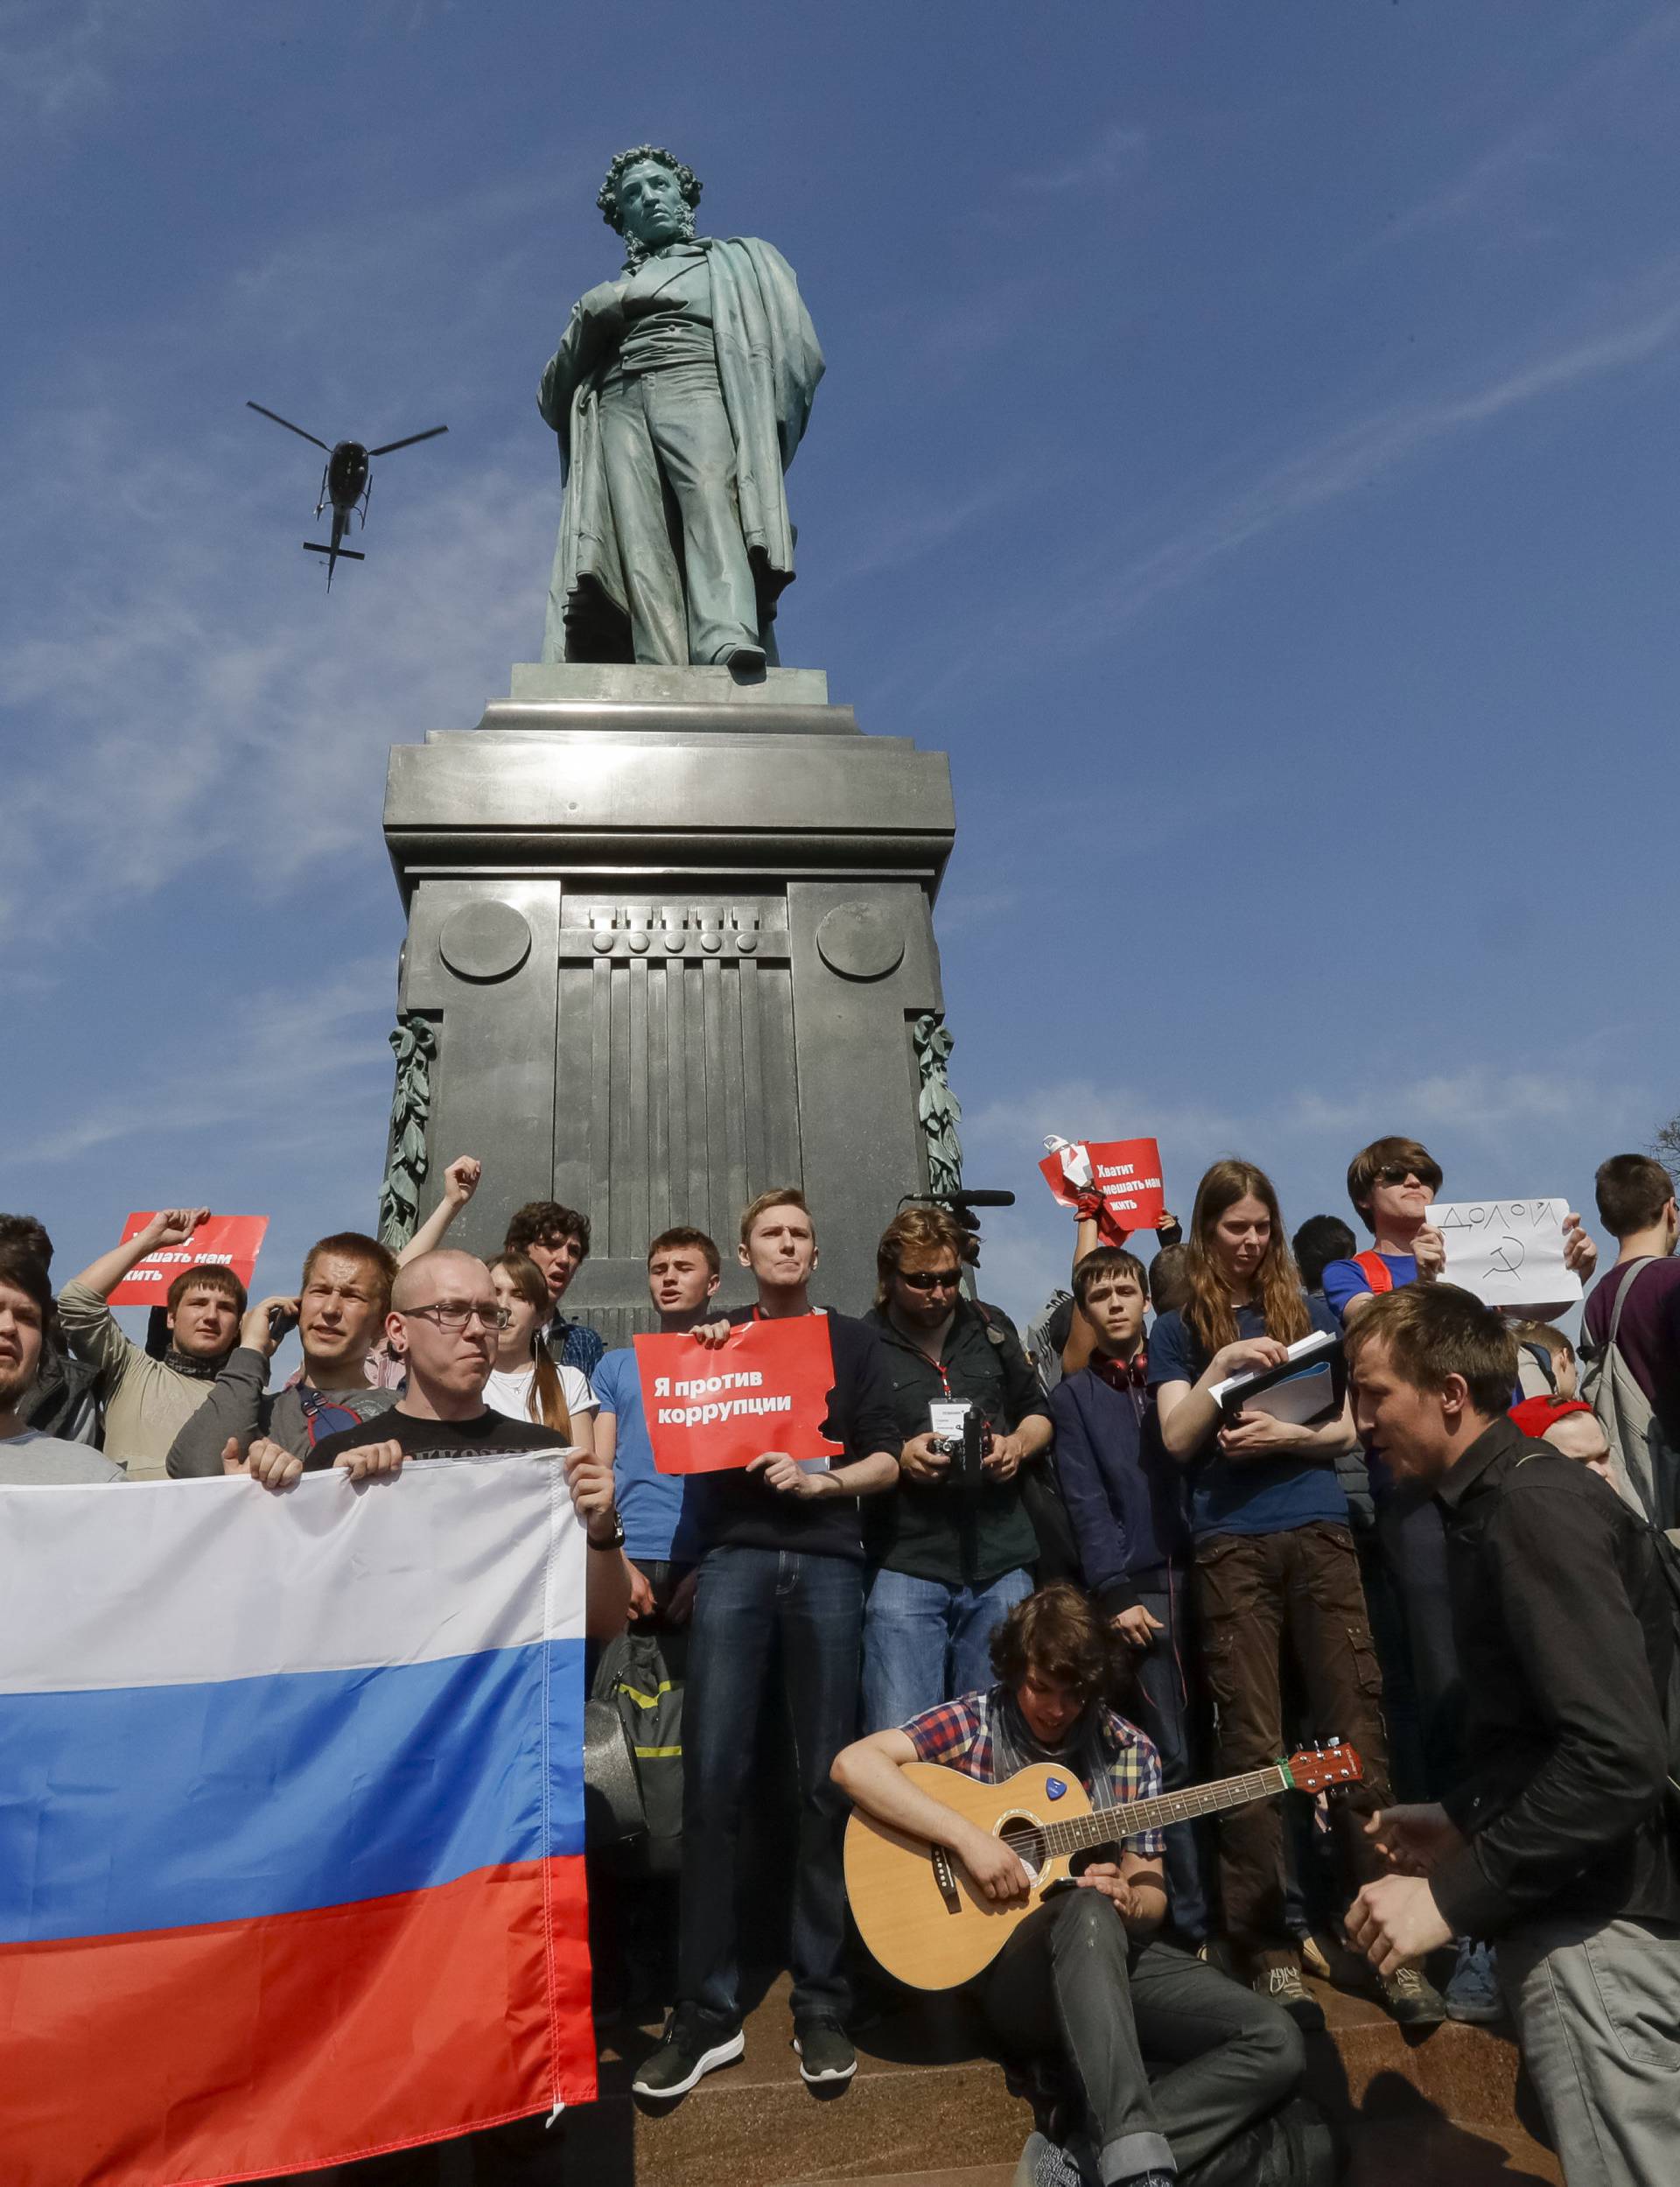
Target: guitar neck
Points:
(1106, 1826)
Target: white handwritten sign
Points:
(1509, 1252)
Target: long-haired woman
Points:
(526, 1383)
(1276, 1573)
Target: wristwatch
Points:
(617, 1540)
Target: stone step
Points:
(964, 2176)
(928, 2105)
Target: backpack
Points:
(637, 1707)
(1668, 1565)
(1646, 1465)
(1375, 1270)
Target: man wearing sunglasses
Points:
(338, 1311)
(953, 1545)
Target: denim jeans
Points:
(1164, 1676)
(753, 1609)
(925, 1642)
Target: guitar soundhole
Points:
(1021, 1832)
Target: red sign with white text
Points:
(766, 1388)
(226, 1241)
(1127, 1173)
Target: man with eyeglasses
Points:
(953, 1544)
(338, 1312)
(442, 1321)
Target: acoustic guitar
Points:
(923, 1917)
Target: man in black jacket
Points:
(778, 1593)
(1558, 1842)
(953, 1545)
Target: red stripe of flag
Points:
(244, 2049)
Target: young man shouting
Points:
(779, 1583)
(685, 1269)
(147, 1401)
(557, 1238)
(1556, 1842)
(1084, 1978)
(340, 1311)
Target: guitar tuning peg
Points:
(1335, 1742)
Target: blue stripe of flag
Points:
(162, 1807)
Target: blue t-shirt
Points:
(649, 1502)
(1248, 1495)
(1346, 1279)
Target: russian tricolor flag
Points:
(290, 1819)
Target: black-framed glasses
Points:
(453, 1319)
(931, 1278)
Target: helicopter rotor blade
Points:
(287, 423)
(391, 445)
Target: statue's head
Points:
(649, 196)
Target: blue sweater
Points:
(1124, 1495)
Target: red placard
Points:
(766, 1388)
(226, 1241)
(1128, 1175)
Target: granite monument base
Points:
(670, 943)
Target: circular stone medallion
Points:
(861, 941)
(485, 941)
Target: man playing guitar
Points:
(1085, 1975)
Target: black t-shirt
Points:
(491, 1435)
(738, 1509)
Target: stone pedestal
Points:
(670, 943)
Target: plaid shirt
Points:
(575, 1345)
(959, 1733)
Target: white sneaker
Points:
(1473, 1993)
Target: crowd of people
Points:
(1455, 1565)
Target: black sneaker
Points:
(690, 2046)
(825, 2051)
(1412, 1998)
(1284, 1986)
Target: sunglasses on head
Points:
(931, 1278)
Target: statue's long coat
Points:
(768, 366)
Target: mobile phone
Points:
(282, 1321)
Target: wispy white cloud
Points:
(1645, 329)
(1116, 151)
(292, 1068)
(1506, 194)
(205, 703)
(56, 55)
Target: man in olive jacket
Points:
(1558, 1843)
(954, 1553)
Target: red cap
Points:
(1535, 1415)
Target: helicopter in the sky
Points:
(345, 483)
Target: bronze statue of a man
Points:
(679, 393)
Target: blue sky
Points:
(1250, 447)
